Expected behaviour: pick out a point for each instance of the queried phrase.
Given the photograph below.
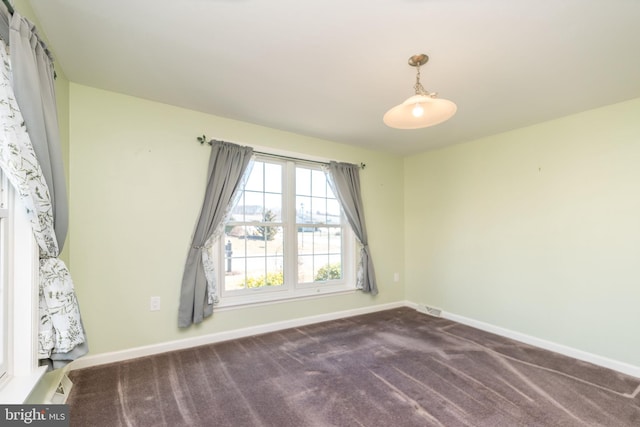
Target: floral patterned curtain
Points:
(61, 329)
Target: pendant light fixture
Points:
(423, 109)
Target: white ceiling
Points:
(331, 68)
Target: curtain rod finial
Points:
(363, 165)
(202, 139)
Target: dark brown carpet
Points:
(392, 368)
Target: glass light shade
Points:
(436, 111)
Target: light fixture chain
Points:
(418, 86)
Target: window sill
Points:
(254, 301)
(18, 388)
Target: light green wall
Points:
(137, 179)
(535, 230)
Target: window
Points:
(19, 310)
(4, 307)
(285, 237)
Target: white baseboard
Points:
(595, 359)
(117, 356)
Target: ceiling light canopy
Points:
(423, 109)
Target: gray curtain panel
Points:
(33, 85)
(227, 165)
(61, 335)
(345, 182)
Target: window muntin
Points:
(285, 237)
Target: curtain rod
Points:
(9, 6)
(202, 139)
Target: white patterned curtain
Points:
(61, 329)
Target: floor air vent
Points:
(431, 311)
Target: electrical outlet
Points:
(154, 304)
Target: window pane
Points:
(305, 240)
(256, 179)
(275, 271)
(335, 271)
(272, 178)
(333, 212)
(235, 250)
(235, 242)
(234, 278)
(237, 213)
(254, 206)
(255, 273)
(335, 240)
(274, 243)
(321, 267)
(319, 210)
(303, 181)
(330, 194)
(264, 271)
(303, 206)
(318, 184)
(305, 269)
(273, 205)
(320, 241)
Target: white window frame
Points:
(291, 288)
(20, 255)
(4, 275)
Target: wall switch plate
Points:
(154, 304)
(396, 277)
